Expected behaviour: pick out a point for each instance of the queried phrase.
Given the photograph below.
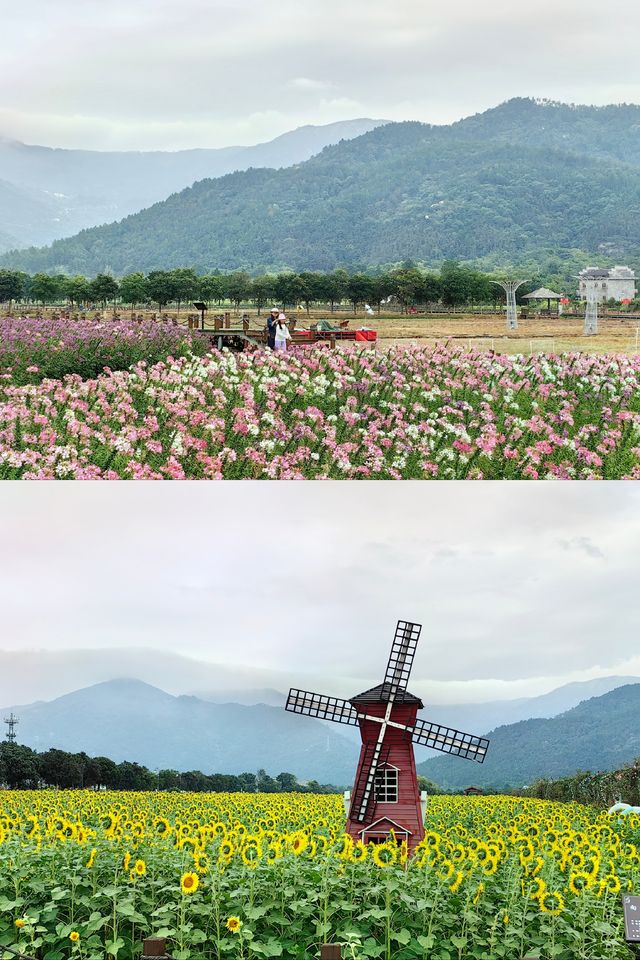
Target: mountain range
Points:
(601, 733)
(519, 178)
(133, 720)
(483, 717)
(47, 193)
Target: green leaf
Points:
(427, 941)
(403, 936)
(113, 947)
(371, 948)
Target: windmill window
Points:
(387, 785)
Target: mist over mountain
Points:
(28, 675)
(130, 720)
(483, 717)
(602, 733)
(49, 192)
(235, 730)
(516, 179)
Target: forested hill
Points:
(58, 192)
(602, 733)
(516, 178)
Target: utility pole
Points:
(12, 722)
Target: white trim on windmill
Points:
(371, 826)
(387, 787)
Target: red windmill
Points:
(385, 795)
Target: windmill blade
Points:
(364, 788)
(403, 650)
(324, 708)
(448, 740)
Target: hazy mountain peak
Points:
(600, 733)
(465, 191)
(103, 186)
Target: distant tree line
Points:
(597, 788)
(22, 768)
(454, 285)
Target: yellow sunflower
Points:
(189, 882)
(551, 902)
(234, 924)
(384, 854)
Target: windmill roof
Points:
(382, 694)
(542, 293)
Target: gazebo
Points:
(543, 293)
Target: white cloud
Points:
(307, 83)
(518, 585)
(159, 74)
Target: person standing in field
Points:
(272, 320)
(281, 333)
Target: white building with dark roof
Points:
(607, 283)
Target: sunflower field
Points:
(88, 875)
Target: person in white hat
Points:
(282, 333)
(272, 319)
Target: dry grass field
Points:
(479, 331)
(548, 335)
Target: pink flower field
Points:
(32, 348)
(412, 412)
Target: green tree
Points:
(133, 289)
(288, 289)
(314, 287)
(108, 772)
(455, 283)
(77, 289)
(44, 288)
(133, 776)
(337, 287)
(429, 289)
(161, 287)
(104, 288)
(407, 283)
(359, 289)
(186, 285)
(267, 784)
(20, 766)
(288, 782)
(248, 782)
(12, 285)
(238, 288)
(382, 287)
(57, 768)
(168, 780)
(262, 291)
(211, 288)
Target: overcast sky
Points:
(167, 74)
(520, 587)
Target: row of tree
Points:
(454, 285)
(22, 768)
(601, 789)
